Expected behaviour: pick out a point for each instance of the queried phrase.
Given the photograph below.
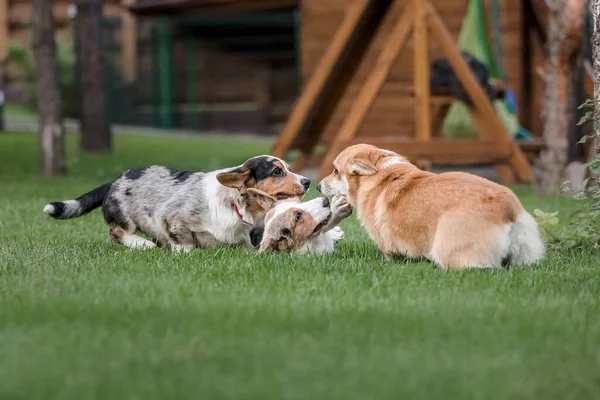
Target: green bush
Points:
(582, 228)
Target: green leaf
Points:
(570, 243)
(552, 221)
(589, 103)
(585, 138)
(588, 116)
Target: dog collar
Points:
(239, 214)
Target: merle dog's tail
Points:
(80, 206)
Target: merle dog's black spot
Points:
(179, 175)
(111, 209)
(128, 192)
(148, 211)
(59, 209)
(256, 235)
(261, 167)
(135, 173)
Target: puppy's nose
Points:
(306, 183)
(325, 202)
(319, 187)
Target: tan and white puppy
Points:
(454, 219)
(303, 228)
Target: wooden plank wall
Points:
(392, 113)
(227, 74)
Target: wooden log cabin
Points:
(239, 65)
(320, 20)
(233, 64)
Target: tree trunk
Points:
(95, 128)
(596, 68)
(47, 88)
(564, 39)
(2, 94)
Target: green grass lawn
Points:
(19, 111)
(81, 317)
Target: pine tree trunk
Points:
(564, 39)
(596, 68)
(52, 149)
(95, 127)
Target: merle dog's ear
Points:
(262, 198)
(235, 178)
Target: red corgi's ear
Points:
(361, 167)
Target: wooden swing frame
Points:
(348, 47)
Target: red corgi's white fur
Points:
(454, 219)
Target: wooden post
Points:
(49, 104)
(300, 161)
(4, 34)
(96, 136)
(128, 41)
(525, 113)
(421, 73)
(370, 88)
(438, 119)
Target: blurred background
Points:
(231, 67)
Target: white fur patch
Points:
(180, 248)
(526, 245)
(225, 224)
(71, 207)
(393, 161)
(137, 242)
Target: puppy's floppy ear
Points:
(280, 242)
(262, 198)
(362, 166)
(235, 178)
